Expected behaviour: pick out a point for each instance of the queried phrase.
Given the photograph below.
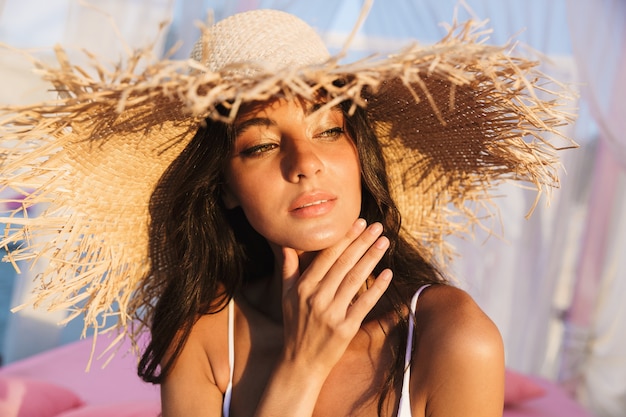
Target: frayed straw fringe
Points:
(95, 253)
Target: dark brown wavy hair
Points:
(202, 253)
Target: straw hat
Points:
(454, 119)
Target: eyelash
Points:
(258, 149)
(265, 147)
(335, 131)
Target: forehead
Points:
(260, 108)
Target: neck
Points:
(266, 294)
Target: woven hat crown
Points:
(259, 41)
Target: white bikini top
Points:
(404, 409)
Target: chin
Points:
(311, 237)
(316, 242)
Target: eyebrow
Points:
(255, 121)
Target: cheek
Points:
(250, 192)
(242, 194)
(353, 170)
(349, 173)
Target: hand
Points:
(320, 317)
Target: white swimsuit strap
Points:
(231, 358)
(404, 409)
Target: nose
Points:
(301, 160)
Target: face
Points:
(295, 173)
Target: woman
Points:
(313, 331)
(276, 218)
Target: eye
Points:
(333, 132)
(257, 150)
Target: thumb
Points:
(291, 268)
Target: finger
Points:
(290, 269)
(354, 279)
(325, 260)
(344, 265)
(368, 299)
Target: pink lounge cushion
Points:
(66, 366)
(519, 388)
(556, 402)
(23, 397)
(127, 409)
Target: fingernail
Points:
(386, 275)
(360, 224)
(382, 243)
(376, 228)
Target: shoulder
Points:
(459, 353)
(450, 317)
(199, 376)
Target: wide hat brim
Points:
(454, 119)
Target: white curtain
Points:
(594, 356)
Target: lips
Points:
(312, 202)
